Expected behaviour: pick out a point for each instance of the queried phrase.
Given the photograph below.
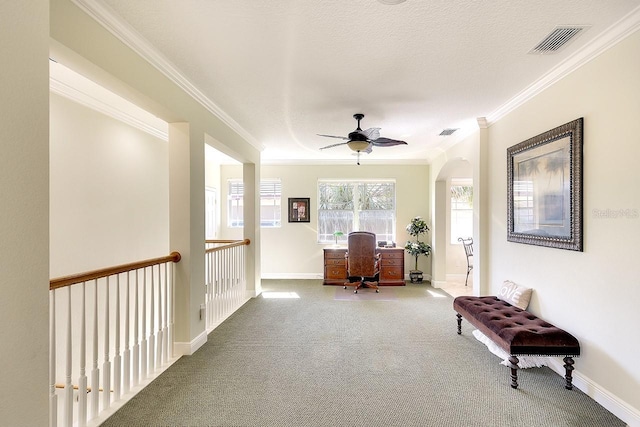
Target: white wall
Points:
(109, 191)
(293, 251)
(593, 294)
(24, 208)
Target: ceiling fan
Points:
(363, 140)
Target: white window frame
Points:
(460, 213)
(270, 196)
(352, 209)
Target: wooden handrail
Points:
(229, 244)
(110, 271)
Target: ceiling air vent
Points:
(558, 38)
(447, 132)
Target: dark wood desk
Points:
(391, 266)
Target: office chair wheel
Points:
(377, 291)
(345, 287)
(355, 292)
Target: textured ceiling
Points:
(286, 70)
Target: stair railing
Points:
(131, 314)
(225, 279)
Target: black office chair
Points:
(468, 250)
(363, 263)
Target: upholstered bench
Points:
(517, 332)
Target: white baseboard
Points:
(610, 402)
(288, 276)
(316, 276)
(188, 348)
(438, 283)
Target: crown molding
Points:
(617, 32)
(106, 17)
(63, 89)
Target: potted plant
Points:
(416, 227)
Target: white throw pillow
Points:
(515, 294)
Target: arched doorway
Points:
(454, 219)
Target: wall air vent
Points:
(447, 132)
(558, 38)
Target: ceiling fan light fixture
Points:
(358, 145)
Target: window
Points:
(270, 201)
(356, 206)
(461, 209)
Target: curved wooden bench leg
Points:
(513, 360)
(459, 316)
(568, 366)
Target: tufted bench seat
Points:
(517, 332)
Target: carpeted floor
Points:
(322, 361)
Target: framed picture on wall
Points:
(544, 189)
(299, 209)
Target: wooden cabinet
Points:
(335, 266)
(391, 266)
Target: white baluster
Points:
(211, 309)
(165, 323)
(68, 386)
(53, 398)
(226, 282)
(95, 372)
(220, 285)
(152, 332)
(136, 344)
(212, 290)
(172, 308)
(244, 270)
(236, 276)
(207, 263)
(106, 365)
(143, 345)
(216, 285)
(159, 342)
(82, 380)
(127, 354)
(117, 359)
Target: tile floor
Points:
(456, 288)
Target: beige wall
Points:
(593, 294)
(24, 210)
(109, 191)
(293, 251)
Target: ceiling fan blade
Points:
(371, 133)
(387, 142)
(334, 145)
(333, 136)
